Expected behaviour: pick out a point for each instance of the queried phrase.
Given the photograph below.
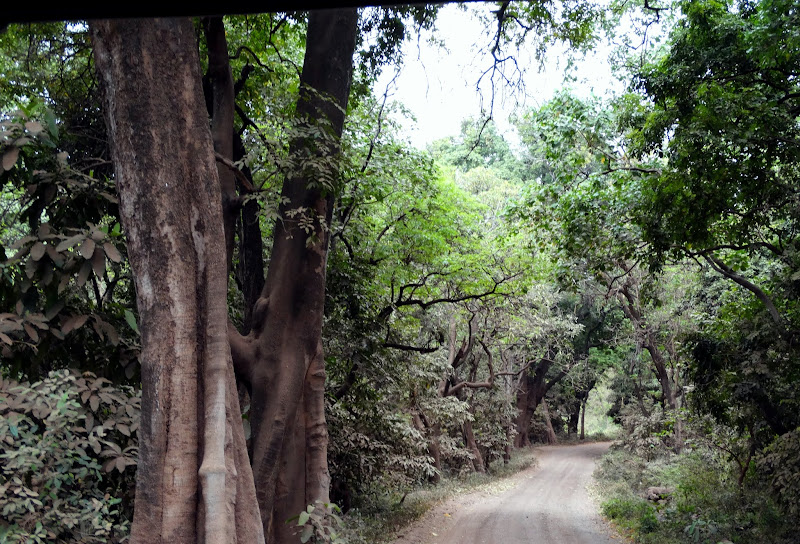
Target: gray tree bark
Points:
(170, 205)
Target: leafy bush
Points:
(371, 450)
(319, 524)
(647, 435)
(781, 462)
(706, 505)
(68, 452)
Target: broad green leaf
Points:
(131, 320)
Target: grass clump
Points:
(631, 513)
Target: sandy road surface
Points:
(545, 504)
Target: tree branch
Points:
(238, 173)
(726, 271)
(418, 349)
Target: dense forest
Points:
(232, 293)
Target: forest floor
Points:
(548, 502)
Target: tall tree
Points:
(281, 358)
(191, 434)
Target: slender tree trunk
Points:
(583, 415)
(222, 112)
(509, 442)
(250, 269)
(281, 358)
(574, 420)
(170, 206)
(530, 393)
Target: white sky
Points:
(439, 86)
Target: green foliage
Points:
(648, 435)
(781, 463)
(582, 188)
(319, 524)
(479, 144)
(631, 513)
(68, 451)
(724, 114)
(703, 501)
(407, 246)
(68, 268)
(372, 448)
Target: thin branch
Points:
(243, 77)
(726, 271)
(462, 298)
(527, 366)
(252, 54)
(475, 385)
(238, 173)
(380, 123)
(418, 349)
(653, 8)
(631, 169)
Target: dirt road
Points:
(545, 504)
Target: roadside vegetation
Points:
(630, 271)
(654, 495)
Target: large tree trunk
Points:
(472, 445)
(281, 357)
(170, 206)
(530, 392)
(548, 423)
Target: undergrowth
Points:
(387, 512)
(702, 503)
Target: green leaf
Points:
(303, 518)
(131, 320)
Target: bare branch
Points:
(252, 54)
(238, 173)
(418, 349)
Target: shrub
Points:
(781, 463)
(68, 456)
(707, 504)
